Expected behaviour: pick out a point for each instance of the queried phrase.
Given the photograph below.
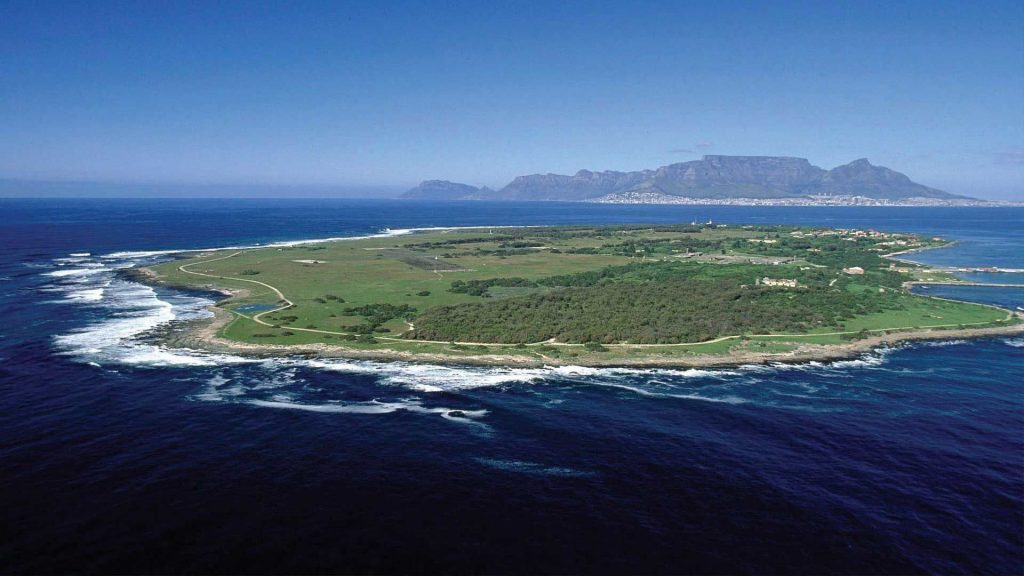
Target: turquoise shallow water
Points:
(120, 456)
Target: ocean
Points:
(122, 456)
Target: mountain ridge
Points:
(714, 177)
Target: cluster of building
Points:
(643, 197)
(855, 233)
(792, 283)
(778, 282)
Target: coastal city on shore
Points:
(655, 198)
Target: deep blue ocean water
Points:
(118, 456)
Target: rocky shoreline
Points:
(203, 335)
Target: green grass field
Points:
(414, 273)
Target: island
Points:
(696, 294)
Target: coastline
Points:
(204, 335)
(893, 255)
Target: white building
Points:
(781, 282)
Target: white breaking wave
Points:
(86, 295)
(76, 272)
(215, 389)
(386, 233)
(444, 378)
(134, 309)
(431, 377)
(1015, 342)
(865, 362)
(668, 372)
(129, 310)
(942, 343)
(872, 360)
(285, 244)
(71, 260)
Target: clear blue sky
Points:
(389, 93)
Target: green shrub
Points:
(381, 313)
(480, 287)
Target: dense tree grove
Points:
(657, 303)
(677, 310)
(480, 287)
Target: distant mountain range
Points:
(713, 179)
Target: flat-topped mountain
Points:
(711, 178)
(735, 176)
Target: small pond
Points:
(253, 308)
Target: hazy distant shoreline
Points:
(653, 198)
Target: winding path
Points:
(550, 342)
